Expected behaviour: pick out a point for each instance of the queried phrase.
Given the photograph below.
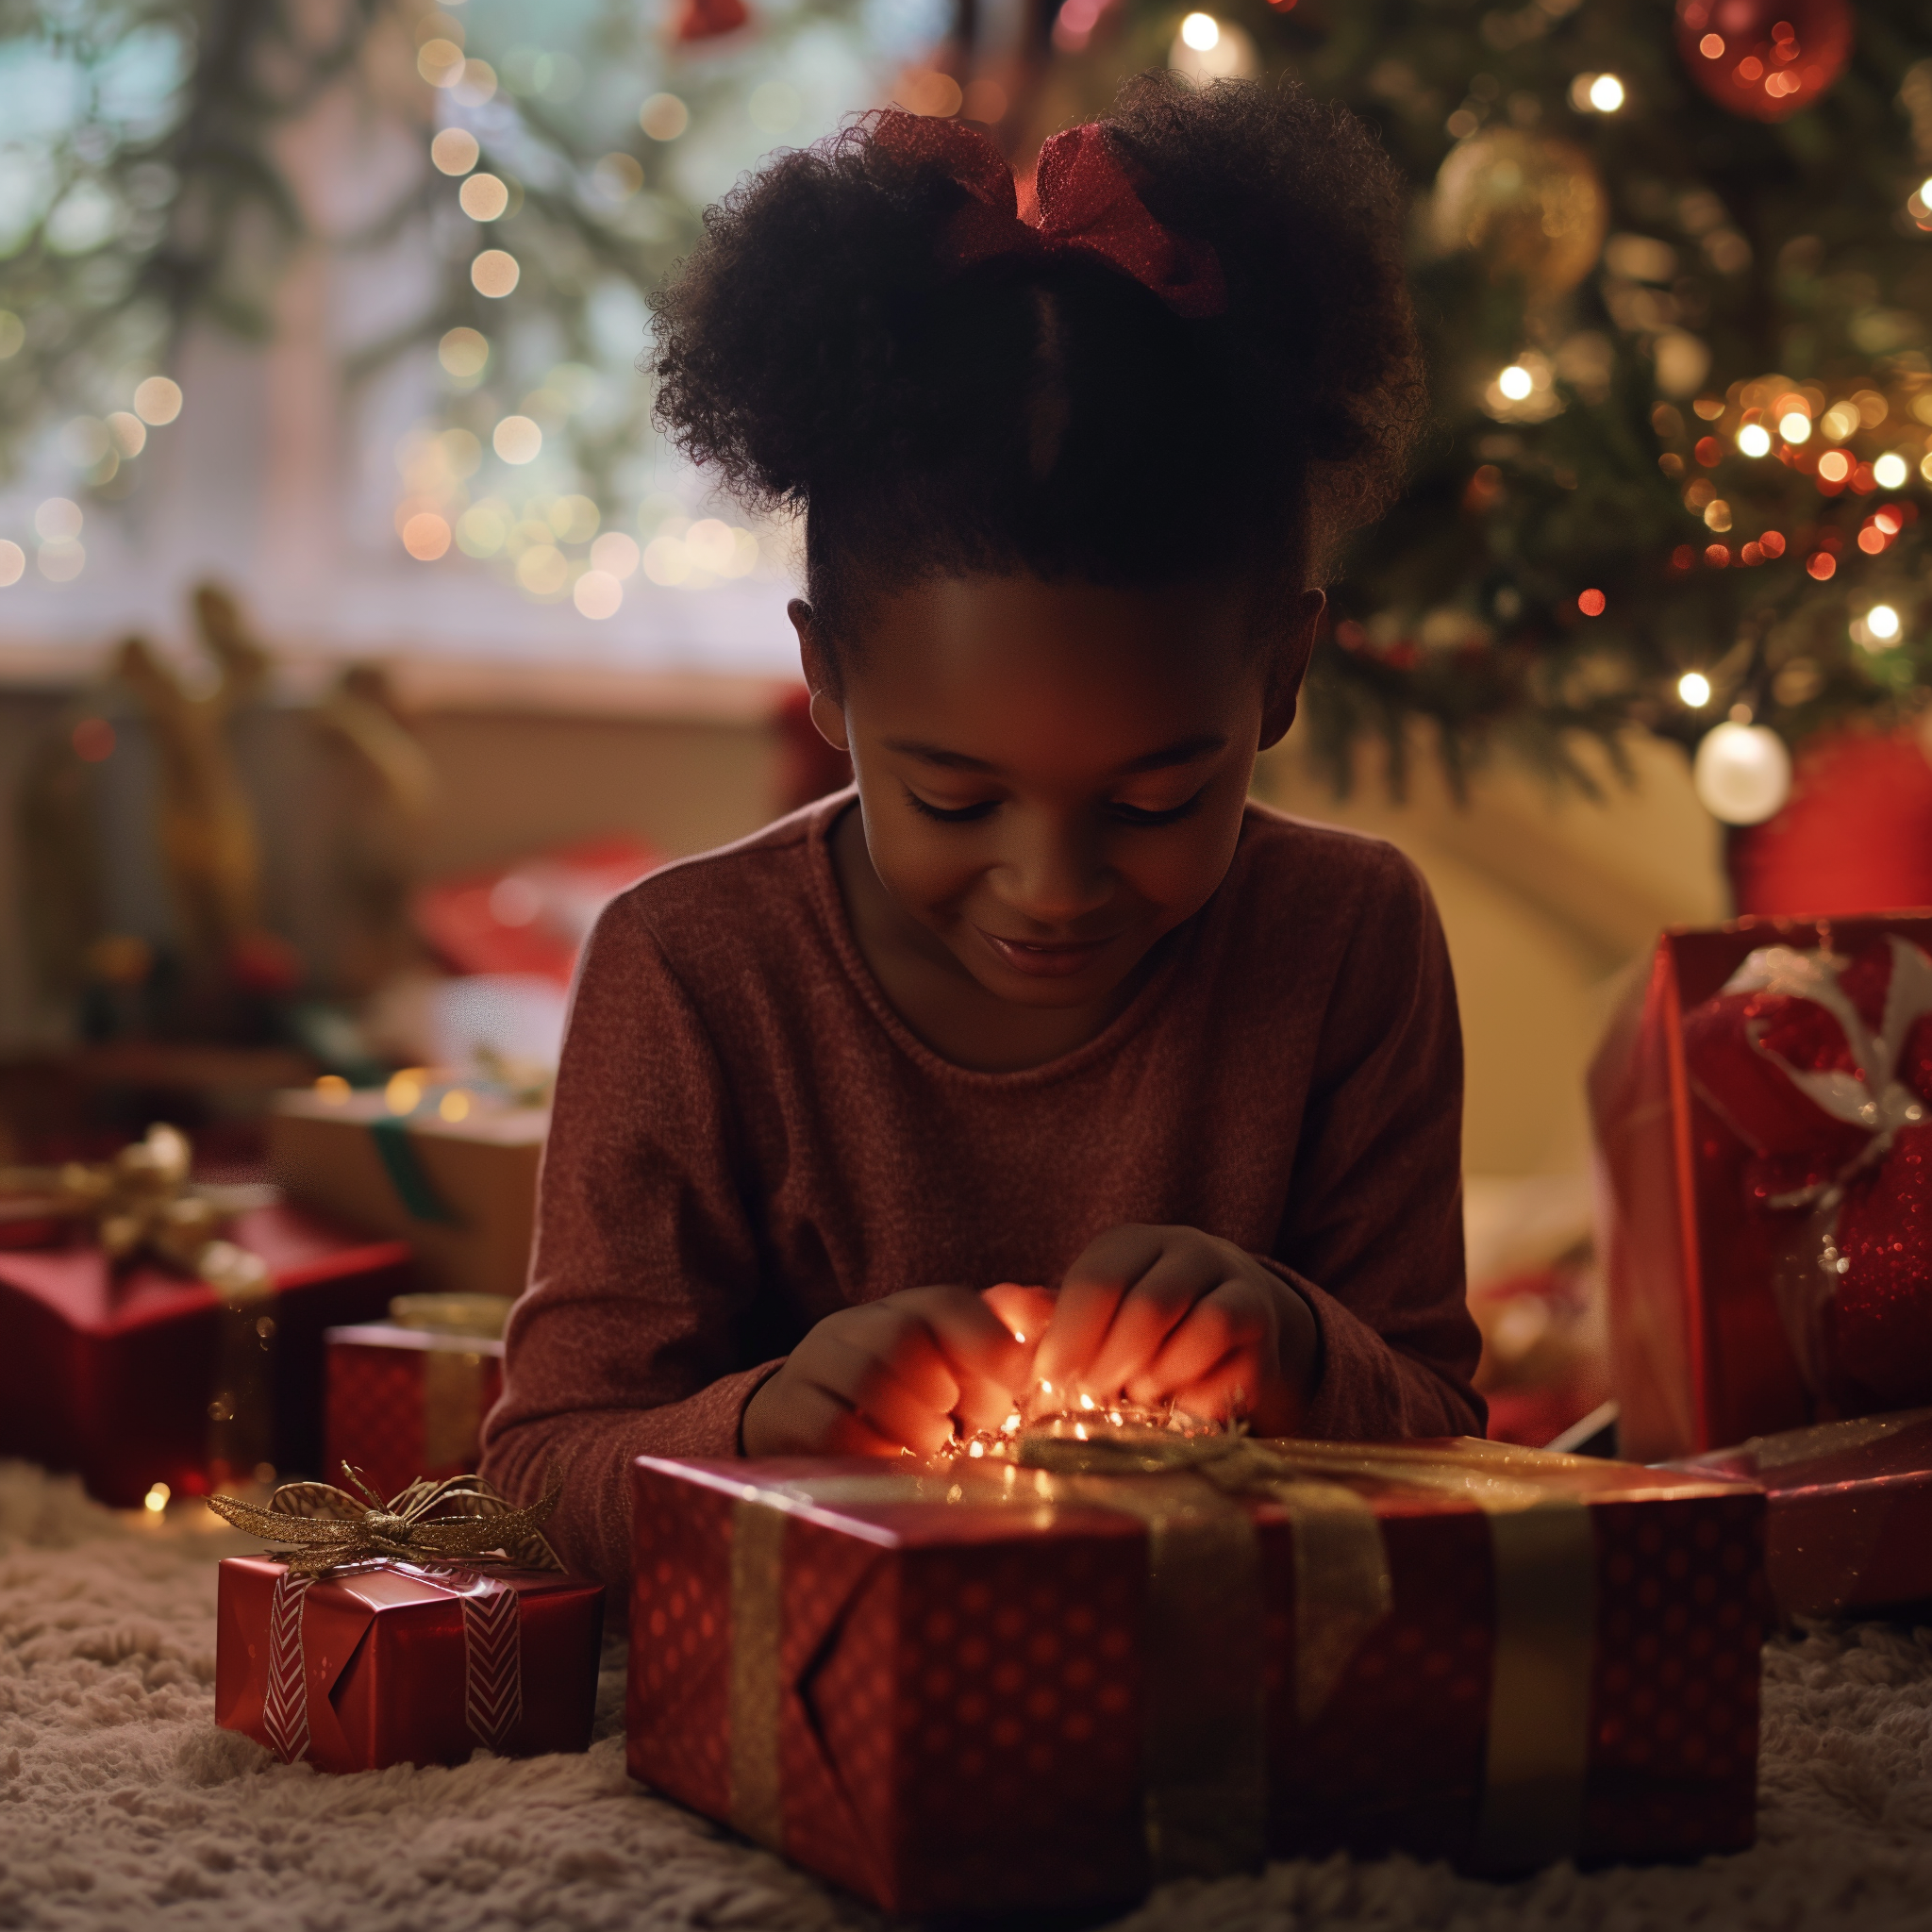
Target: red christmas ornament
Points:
(1764, 58)
(708, 19)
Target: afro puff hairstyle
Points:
(1048, 414)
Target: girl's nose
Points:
(1056, 874)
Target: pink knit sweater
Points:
(747, 1138)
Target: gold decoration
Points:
(481, 1315)
(207, 825)
(316, 1527)
(1532, 207)
(142, 1199)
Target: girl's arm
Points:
(644, 1330)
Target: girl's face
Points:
(1052, 775)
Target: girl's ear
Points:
(1289, 664)
(827, 712)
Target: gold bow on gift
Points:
(142, 1199)
(316, 1527)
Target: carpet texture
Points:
(122, 1806)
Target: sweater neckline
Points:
(831, 901)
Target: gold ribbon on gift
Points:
(1205, 1770)
(143, 1201)
(315, 1528)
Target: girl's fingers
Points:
(1157, 1304)
(1084, 1309)
(892, 1339)
(1224, 1322)
(823, 1425)
(1228, 1389)
(916, 1409)
(976, 1345)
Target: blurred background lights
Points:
(542, 570)
(156, 1498)
(663, 117)
(776, 107)
(455, 150)
(463, 352)
(1201, 31)
(1592, 602)
(1606, 93)
(516, 440)
(1834, 466)
(483, 197)
(1754, 439)
(616, 553)
(493, 272)
(1516, 382)
(12, 563)
(597, 594)
(1891, 471)
(57, 520)
(129, 431)
(440, 62)
(425, 537)
(158, 401)
(617, 176)
(1882, 624)
(12, 334)
(1741, 774)
(1695, 689)
(1795, 426)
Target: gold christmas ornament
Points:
(1532, 207)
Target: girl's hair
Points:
(1048, 413)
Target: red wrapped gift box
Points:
(113, 1371)
(1849, 1519)
(1716, 1164)
(404, 1664)
(408, 1402)
(1001, 1688)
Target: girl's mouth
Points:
(1054, 961)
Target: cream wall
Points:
(1547, 898)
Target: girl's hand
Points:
(894, 1374)
(1167, 1314)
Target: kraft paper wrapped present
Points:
(408, 1396)
(1762, 1106)
(1011, 1687)
(417, 1635)
(449, 1169)
(169, 1335)
(1849, 1516)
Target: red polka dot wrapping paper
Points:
(403, 1403)
(963, 1690)
(1700, 1355)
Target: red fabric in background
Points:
(1855, 837)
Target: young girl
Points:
(1047, 1001)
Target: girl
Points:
(1046, 1000)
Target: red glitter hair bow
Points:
(1087, 204)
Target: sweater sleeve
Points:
(639, 1333)
(1373, 1236)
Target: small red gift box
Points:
(1758, 1122)
(999, 1688)
(114, 1372)
(404, 1664)
(406, 1401)
(1849, 1517)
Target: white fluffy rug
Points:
(122, 1806)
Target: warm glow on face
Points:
(1891, 471)
(1695, 689)
(1516, 382)
(1200, 31)
(1795, 427)
(1607, 94)
(1754, 439)
(455, 150)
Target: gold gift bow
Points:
(1205, 1792)
(142, 1199)
(462, 1518)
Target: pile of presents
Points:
(1053, 1676)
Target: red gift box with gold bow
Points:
(1016, 1686)
(1763, 1115)
(378, 1652)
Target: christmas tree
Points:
(1673, 269)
